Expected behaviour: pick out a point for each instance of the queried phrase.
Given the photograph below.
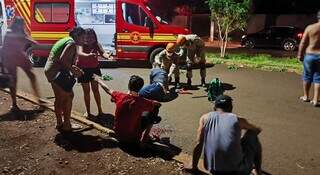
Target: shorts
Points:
(88, 74)
(152, 91)
(311, 71)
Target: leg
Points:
(316, 94)
(252, 151)
(67, 111)
(34, 82)
(12, 70)
(97, 97)
(190, 60)
(306, 90)
(58, 104)
(202, 62)
(307, 76)
(13, 93)
(86, 95)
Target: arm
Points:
(244, 124)
(103, 53)
(66, 57)
(81, 53)
(303, 44)
(198, 148)
(103, 85)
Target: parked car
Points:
(286, 37)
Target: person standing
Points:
(169, 61)
(88, 61)
(225, 152)
(309, 54)
(60, 63)
(194, 46)
(14, 55)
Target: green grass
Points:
(260, 62)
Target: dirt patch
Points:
(29, 144)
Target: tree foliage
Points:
(228, 15)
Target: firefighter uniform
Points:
(194, 46)
(170, 63)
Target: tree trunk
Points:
(212, 31)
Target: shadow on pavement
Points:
(83, 143)
(21, 115)
(105, 120)
(228, 87)
(165, 151)
(172, 95)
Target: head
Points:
(135, 83)
(77, 34)
(318, 15)
(224, 103)
(18, 25)
(181, 40)
(91, 37)
(170, 48)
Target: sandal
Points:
(315, 104)
(304, 99)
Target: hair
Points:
(135, 83)
(76, 32)
(224, 103)
(90, 31)
(18, 25)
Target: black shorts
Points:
(88, 73)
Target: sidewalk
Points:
(31, 145)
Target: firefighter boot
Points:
(177, 83)
(203, 82)
(189, 83)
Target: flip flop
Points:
(303, 99)
(315, 104)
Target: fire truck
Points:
(127, 28)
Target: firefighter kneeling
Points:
(168, 60)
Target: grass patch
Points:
(260, 62)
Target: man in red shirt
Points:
(131, 124)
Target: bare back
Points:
(311, 39)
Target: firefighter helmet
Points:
(181, 40)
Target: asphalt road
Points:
(290, 135)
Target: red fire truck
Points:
(46, 21)
(126, 27)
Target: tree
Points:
(228, 15)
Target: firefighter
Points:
(168, 60)
(194, 46)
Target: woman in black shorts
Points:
(88, 62)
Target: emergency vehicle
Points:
(46, 21)
(128, 28)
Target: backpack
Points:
(215, 89)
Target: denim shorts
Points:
(152, 91)
(311, 65)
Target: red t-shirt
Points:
(129, 109)
(88, 62)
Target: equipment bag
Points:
(215, 89)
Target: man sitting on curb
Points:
(225, 152)
(132, 124)
(158, 87)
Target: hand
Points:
(187, 166)
(76, 71)
(97, 78)
(300, 58)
